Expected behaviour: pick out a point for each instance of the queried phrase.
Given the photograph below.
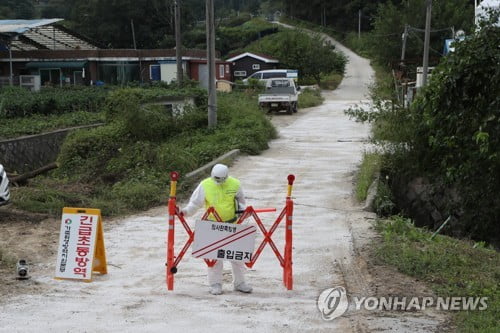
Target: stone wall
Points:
(428, 204)
(28, 153)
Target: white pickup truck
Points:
(280, 94)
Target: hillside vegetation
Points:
(124, 165)
(450, 137)
(312, 56)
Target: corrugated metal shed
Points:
(21, 26)
(25, 35)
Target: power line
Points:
(430, 48)
(437, 30)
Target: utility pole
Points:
(405, 37)
(11, 75)
(359, 24)
(178, 42)
(133, 33)
(135, 48)
(212, 97)
(427, 42)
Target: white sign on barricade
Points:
(81, 245)
(218, 240)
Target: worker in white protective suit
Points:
(225, 194)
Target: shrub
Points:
(20, 102)
(310, 97)
(128, 169)
(34, 124)
(122, 101)
(150, 122)
(457, 132)
(312, 56)
(384, 202)
(85, 153)
(451, 133)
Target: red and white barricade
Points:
(284, 259)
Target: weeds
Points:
(125, 164)
(310, 97)
(367, 173)
(452, 267)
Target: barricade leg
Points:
(287, 269)
(172, 203)
(170, 246)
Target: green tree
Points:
(385, 40)
(17, 9)
(457, 129)
(451, 134)
(109, 22)
(310, 55)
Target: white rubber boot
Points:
(243, 287)
(216, 289)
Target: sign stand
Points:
(81, 248)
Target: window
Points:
(221, 71)
(227, 69)
(257, 76)
(119, 72)
(271, 75)
(256, 66)
(240, 73)
(280, 83)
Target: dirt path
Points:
(322, 148)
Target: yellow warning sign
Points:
(81, 244)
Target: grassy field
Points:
(452, 267)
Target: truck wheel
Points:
(295, 107)
(289, 109)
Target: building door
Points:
(78, 78)
(50, 76)
(203, 75)
(154, 73)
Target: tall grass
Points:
(310, 97)
(370, 166)
(452, 267)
